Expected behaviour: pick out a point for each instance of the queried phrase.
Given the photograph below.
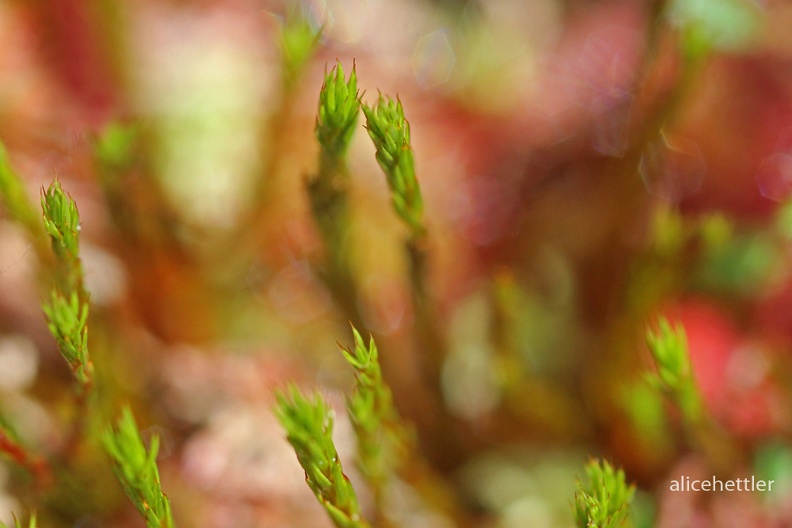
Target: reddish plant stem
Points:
(37, 466)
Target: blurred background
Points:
(586, 166)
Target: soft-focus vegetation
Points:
(560, 231)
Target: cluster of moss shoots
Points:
(385, 442)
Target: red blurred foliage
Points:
(739, 117)
(731, 372)
(76, 55)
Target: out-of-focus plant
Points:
(14, 198)
(136, 469)
(506, 299)
(605, 501)
(675, 379)
(18, 523)
(668, 345)
(710, 25)
(115, 145)
(14, 450)
(309, 427)
(299, 40)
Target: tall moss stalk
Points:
(328, 188)
(67, 307)
(136, 469)
(390, 131)
(308, 422)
